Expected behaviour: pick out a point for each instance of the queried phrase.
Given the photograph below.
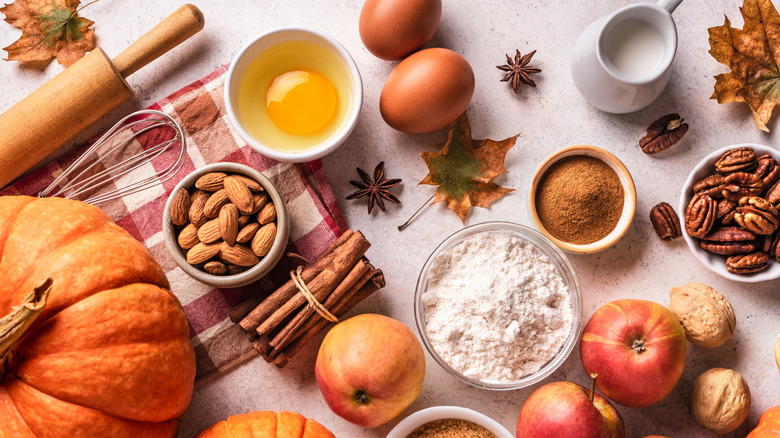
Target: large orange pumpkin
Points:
(768, 424)
(267, 424)
(109, 355)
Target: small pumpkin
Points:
(108, 352)
(267, 424)
(768, 424)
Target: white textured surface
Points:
(550, 117)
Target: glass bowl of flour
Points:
(498, 306)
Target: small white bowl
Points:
(412, 422)
(717, 263)
(264, 42)
(629, 199)
(256, 272)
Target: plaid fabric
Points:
(315, 217)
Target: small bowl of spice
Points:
(448, 422)
(582, 198)
(497, 305)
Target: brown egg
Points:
(427, 91)
(392, 29)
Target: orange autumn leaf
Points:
(50, 28)
(753, 54)
(464, 167)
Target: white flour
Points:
(496, 308)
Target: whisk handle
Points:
(174, 29)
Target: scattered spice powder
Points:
(579, 199)
(451, 428)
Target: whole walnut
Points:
(719, 400)
(705, 314)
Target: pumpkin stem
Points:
(14, 325)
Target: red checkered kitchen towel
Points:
(315, 217)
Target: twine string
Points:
(297, 278)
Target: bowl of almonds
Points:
(729, 212)
(226, 225)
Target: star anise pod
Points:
(518, 70)
(377, 189)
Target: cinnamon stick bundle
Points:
(338, 279)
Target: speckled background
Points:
(549, 117)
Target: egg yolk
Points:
(301, 102)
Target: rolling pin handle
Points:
(174, 29)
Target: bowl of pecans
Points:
(226, 225)
(728, 212)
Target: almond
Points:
(243, 220)
(216, 201)
(209, 232)
(258, 202)
(215, 268)
(239, 194)
(267, 214)
(264, 239)
(199, 198)
(228, 223)
(234, 269)
(211, 182)
(202, 252)
(237, 255)
(180, 207)
(188, 237)
(247, 233)
(252, 184)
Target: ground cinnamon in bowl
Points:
(451, 428)
(579, 199)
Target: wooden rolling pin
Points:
(74, 99)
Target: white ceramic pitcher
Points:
(625, 86)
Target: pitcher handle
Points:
(669, 5)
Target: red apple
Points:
(565, 409)
(369, 369)
(637, 348)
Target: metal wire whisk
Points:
(97, 173)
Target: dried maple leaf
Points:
(50, 28)
(753, 54)
(464, 167)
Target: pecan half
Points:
(768, 169)
(711, 185)
(773, 194)
(663, 134)
(747, 263)
(735, 160)
(665, 221)
(740, 184)
(757, 215)
(774, 250)
(729, 241)
(725, 206)
(700, 215)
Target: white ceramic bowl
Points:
(545, 247)
(262, 43)
(629, 199)
(717, 263)
(412, 422)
